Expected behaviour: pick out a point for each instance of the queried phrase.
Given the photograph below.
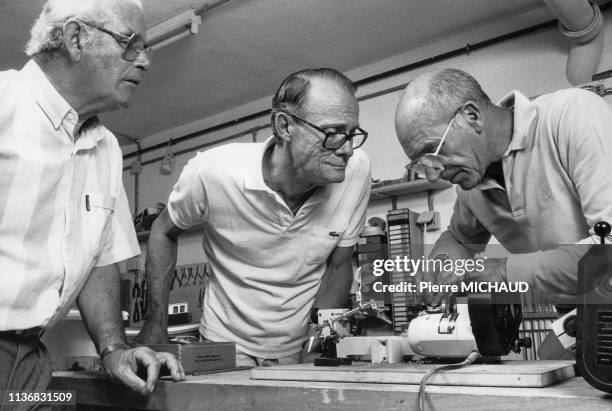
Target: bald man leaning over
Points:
(531, 173)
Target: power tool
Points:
(594, 317)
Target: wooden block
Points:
(507, 374)
(370, 256)
(372, 239)
(202, 356)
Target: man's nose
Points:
(144, 59)
(345, 150)
(433, 174)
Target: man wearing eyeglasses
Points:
(531, 173)
(64, 217)
(280, 219)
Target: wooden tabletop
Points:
(237, 391)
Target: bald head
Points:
(412, 110)
(432, 98)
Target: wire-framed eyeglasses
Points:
(432, 162)
(133, 45)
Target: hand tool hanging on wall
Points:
(167, 164)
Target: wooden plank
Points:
(507, 374)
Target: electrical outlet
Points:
(435, 222)
(179, 308)
(430, 220)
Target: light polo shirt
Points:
(557, 172)
(63, 208)
(266, 263)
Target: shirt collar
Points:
(51, 102)
(57, 109)
(489, 183)
(253, 172)
(524, 113)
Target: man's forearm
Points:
(161, 261)
(334, 290)
(337, 279)
(100, 307)
(554, 271)
(160, 266)
(449, 247)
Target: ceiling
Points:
(246, 47)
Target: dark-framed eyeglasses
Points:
(336, 139)
(133, 45)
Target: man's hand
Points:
(494, 272)
(122, 366)
(152, 332)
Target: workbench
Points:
(237, 391)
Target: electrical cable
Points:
(473, 356)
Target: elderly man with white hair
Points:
(64, 217)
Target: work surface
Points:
(237, 391)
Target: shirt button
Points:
(70, 116)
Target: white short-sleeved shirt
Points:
(556, 170)
(267, 264)
(63, 208)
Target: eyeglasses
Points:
(336, 139)
(432, 162)
(133, 45)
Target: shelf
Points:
(172, 329)
(406, 187)
(75, 315)
(378, 193)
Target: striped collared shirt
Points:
(63, 208)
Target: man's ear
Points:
(473, 115)
(72, 40)
(280, 125)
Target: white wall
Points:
(533, 64)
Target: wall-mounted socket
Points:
(430, 220)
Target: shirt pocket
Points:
(100, 209)
(322, 241)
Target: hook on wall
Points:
(167, 164)
(136, 167)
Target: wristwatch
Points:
(112, 348)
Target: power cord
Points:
(473, 356)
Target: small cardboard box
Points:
(202, 357)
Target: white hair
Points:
(46, 36)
